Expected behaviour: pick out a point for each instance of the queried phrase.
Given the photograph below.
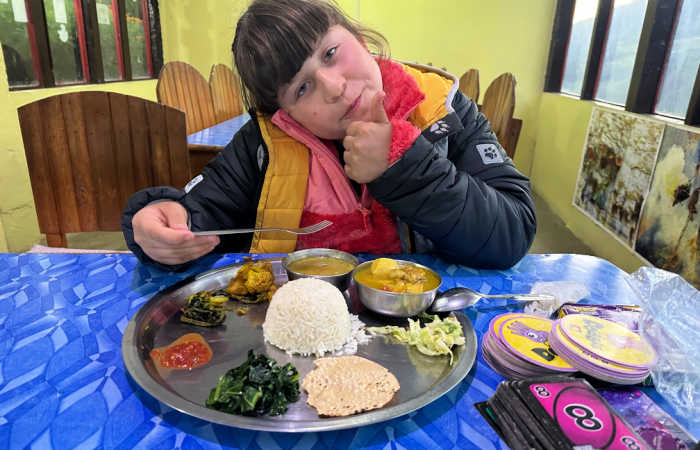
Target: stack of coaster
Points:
(516, 346)
(602, 349)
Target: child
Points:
(394, 155)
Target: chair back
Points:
(88, 152)
(224, 93)
(499, 103)
(181, 86)
(469, 84)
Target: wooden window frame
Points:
(89, 41)
(652, 54)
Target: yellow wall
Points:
(200, 35)
(562, 126)
(458, 35)
(563, 123)
(17, 213)
(494, 36)
(3, 131)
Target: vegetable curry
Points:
(389, 275)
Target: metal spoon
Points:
(460, 297)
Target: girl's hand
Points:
(160, 230)
(367, 144)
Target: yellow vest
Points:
(284, 187)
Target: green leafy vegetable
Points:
(256, 387)
(435, 338)
(205, 308)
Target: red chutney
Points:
(186, 352)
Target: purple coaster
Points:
(627, 315)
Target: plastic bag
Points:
(564, 291)
(670, 322)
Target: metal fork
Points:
(305, 230)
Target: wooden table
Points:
(205, 144)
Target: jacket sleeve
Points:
(470, 201)
(224, 195)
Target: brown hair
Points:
(275, 37)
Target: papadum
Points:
(345, 385)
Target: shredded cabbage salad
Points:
(435, 338)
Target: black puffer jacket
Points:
(455, 188)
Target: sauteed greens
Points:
(435, 338)
(205, 308)
(256, 387)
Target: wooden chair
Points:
(498, 106)
(87, 153)
(224, 93)
(469, 84)
(181, 86)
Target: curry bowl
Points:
(395, 304)
(333, 266)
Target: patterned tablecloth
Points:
(218, 135)
(63, 383)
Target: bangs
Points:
(275, 37)
(286, 42)
(277, 46)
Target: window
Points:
(14, 36)
(49, 43)
(66, 43)
(579, 43)
(626, 58)
(683, 63)
(620, 50)
(108, 26)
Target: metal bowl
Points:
(395, 304)
(341, 281)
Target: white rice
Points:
(357, 336)
(309, 316)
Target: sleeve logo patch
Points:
(439, 127)
(193, 182)
(490, 154)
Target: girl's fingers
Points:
(183, 253)
(160, 230)
(167, 236)
(195, 244)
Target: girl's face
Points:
(335, 85)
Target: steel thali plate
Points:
(423, 378)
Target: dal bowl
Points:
(395, 304)
(301, 264)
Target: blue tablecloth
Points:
(218, 135)
(63, 383)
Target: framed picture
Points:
(616, 169)
(669, 226)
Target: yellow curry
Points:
(388, 275)
(320, 265)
